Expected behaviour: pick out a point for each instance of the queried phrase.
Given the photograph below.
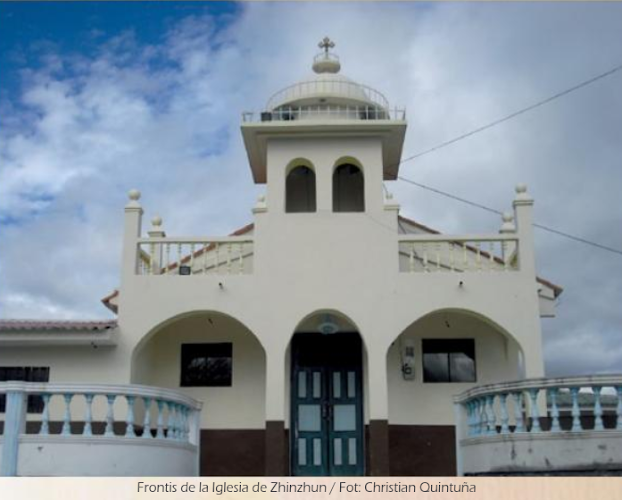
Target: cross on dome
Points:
(326, 44)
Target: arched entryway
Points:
(326, 397)
(215, 359)
(436, 357)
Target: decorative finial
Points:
(508, 223)
(134, 195)
(521, 188)
(326, 44)
(156, 221)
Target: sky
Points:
(98, 98)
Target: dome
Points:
(327, 88)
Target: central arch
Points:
(326, 361)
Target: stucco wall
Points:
(241, 406)
(413, 402)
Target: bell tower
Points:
(325, 144)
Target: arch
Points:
(449, 333)
(300, 187)
(348, 186)
(238, 403)
(328, 373)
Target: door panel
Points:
(327, 405)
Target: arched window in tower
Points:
(348, 189)
(300, 190)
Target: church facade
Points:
(327, 337)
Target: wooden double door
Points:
(327, 425)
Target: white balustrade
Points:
(323, 112)
(462, 253)
(55, 420)
(570, 403)
(174, 256)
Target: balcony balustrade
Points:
(541, 426)
(192, 256)
(449, 253)
(119, 430)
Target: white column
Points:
(523, 210)
(131, 232)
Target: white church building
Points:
(330, 336)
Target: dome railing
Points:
(327, 88)
(293, 113)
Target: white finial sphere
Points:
(507, 217)
(521, 188)
(134, 194)
(156, 221)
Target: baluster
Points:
(555, 427)
(465, 260)
(469, 412)
(518, 411)
(490, 415)
(88, 415)
(229, 258)
(576, 412)
(477, 421)
(152, 259)
(171, 421)
(147, 420)
(619, 408)
(160, 424)
(191, 258)
(598, 410)
(168, 257)
(491, 255)
(109, 431)
(535, 412)
(438, 256)
(505, 419)
(45, 417)
(66, 430)
(506, 256)
(452, 266)
(217, 258)
(186, 424)
(179, 256)
(129, 424)
(411, 258)
(478, 258)
(240, 258)
(483, 416)
(425, 257)
(204, 258)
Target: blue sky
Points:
(99, 98)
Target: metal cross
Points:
(326, 44)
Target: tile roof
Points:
(28, 325)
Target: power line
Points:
(514, 115)
(539, 226)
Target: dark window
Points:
(448, 360)
(25, 374)
(206, 365)
(300, 190)
(348, 189)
